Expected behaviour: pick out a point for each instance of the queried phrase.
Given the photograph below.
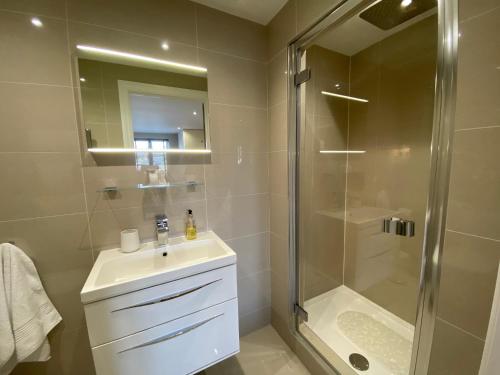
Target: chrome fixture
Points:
(399, 227)
(162, 229)
(359, 362)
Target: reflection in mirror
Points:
(129, 104)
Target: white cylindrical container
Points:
(130, 240)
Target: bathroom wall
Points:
(472, 242)
(49, 202)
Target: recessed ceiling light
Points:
(406, 3)
(178, 128)
(82, 79)
(165, 46)
(36, 21)
(195, 113)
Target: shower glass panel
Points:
(363, 174)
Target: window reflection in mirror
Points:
(137, 107)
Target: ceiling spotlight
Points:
(82, 79)
(195, 113)
(178, 128)
(406, 3)
(337, 86)
(36, 21)
(165, 46)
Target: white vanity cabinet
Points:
(177, 327)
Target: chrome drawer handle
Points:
(169, 297)
(172, 335)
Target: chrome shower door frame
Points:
(441, 152)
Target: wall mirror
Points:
(137, 103)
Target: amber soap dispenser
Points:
(190, 230)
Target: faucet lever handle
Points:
(162, 222)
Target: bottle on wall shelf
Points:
(190, 230)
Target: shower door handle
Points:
(399, 227)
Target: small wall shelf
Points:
(170, 185)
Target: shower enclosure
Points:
(371, 101)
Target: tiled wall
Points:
(49, 204)
(472, 243)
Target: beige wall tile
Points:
(238, 129)
(468, 276)
(252, 252)
(60, 249)
(278, 127)
(278, 79)
(253, 321)
(51, 8)
(454, 352)
(106, 225)
(254, 292)
(40, 184)
(235, 81)
(279, 215)
(172, 20)
(238, 216)
(33, 54)
(37, 118)
(70, 355)
(218, 31)
(467, 8)
(278, 172)
(279, 296)
(474, 203)
(478, 85)
(279, 259)
(93, 35)
(237, 174)
(282, 28)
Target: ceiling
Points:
(260, 11)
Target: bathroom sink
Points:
(116, 273)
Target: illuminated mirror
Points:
(137, 103)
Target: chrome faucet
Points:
(162, 229)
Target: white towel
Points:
(26, 313)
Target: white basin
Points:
(116, 273)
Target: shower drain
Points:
(359, 362)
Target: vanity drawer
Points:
(116, 317)
(183, 346)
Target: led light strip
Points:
(137, 150)
(344, 97)
(132, 56)
(342, 152)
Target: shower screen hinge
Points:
(299, 310)
(302, 77)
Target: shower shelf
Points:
(170, 185)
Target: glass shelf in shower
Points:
(170, 185)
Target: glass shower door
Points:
(363, 177)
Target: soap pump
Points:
(190, 230)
